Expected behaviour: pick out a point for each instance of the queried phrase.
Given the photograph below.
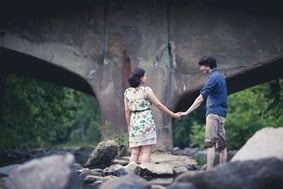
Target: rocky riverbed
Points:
(257, 165)
(96, 165)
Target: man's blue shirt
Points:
(215, 93)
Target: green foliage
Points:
(121, 138)
(39, 114)
(86, 127)
(253, 109)
(182, 128)
(197, 135)
(249, 110)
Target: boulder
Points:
(265, 143)
(126, 182)
(103, 155)
(249, 174)
(53, 171)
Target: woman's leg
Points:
(135, 153)
(145, 153)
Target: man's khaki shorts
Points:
(215, 132)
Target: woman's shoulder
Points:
(147, 88)
(128, 90)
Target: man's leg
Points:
(221, 142)
(210, 156)
(223, 156)
(135, 152)
(210, 139)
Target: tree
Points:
(39, 114)
(253, 109)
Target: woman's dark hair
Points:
(208, 60)
(135, 77)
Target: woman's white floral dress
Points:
(142, 129)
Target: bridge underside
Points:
(92, 45)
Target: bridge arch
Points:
(13, 62)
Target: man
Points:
(214, 92)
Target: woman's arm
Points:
(154, 100)
(127, 112)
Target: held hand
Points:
(183, 113)
(177, 115)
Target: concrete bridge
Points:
(92, 45)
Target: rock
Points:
(179, 163)
(249, 174)
(86, 172)
(103, 154)
(157, 187)
(265, 143)
(131, 167)
(160, 181)
(180, 185)
(53, 171)
(82, 154)
(6, 170)
(126, 182)
(115, 170)
(154, 170)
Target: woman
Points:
(141, 126)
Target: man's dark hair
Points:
(208, 60)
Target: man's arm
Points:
(198, 101)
